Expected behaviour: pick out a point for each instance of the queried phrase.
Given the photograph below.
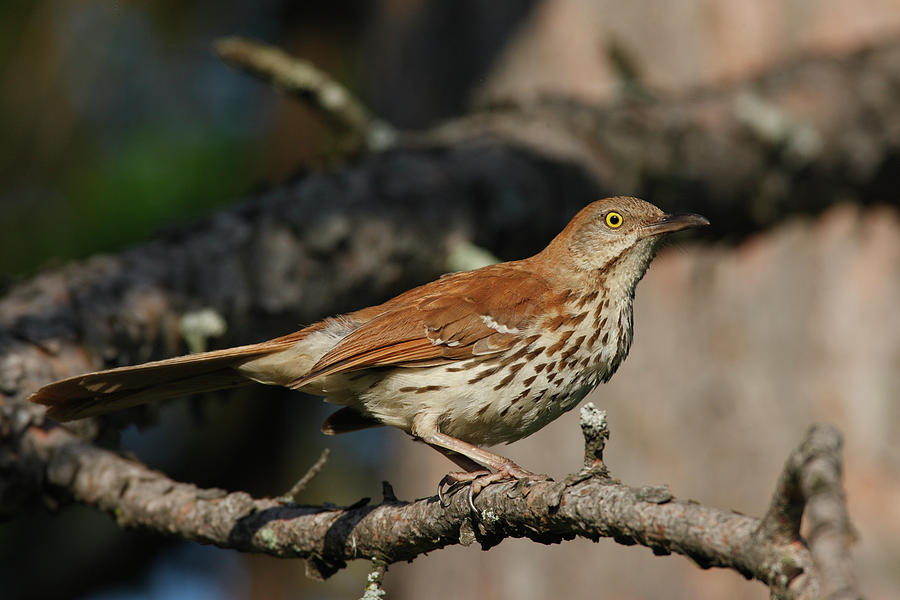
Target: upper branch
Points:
(301, 79)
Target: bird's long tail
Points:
(102, 392)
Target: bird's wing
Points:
(460, 316)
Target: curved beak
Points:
(676, 222)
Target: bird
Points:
(472, 359)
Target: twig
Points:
(387, 492)
(595, 430)
(375, 579)
(293, 494)
(596, 433)
(300, 79)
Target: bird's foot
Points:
(457, 479)
(480, 479)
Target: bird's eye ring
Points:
(613, 220)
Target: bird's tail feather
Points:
(101, 392)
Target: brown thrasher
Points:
(478, 357)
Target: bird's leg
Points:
(476, 461)
(466, 464)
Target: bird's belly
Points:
(482, 412)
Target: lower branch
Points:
(589, 504)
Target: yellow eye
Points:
(613, 220)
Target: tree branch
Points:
(303, 80)
(797, 139)
(293, 494)
(589, 504)
(811, 483)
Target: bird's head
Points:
(615, 237)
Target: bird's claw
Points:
(456, 480)
(478, 480)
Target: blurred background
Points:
(116, 119)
